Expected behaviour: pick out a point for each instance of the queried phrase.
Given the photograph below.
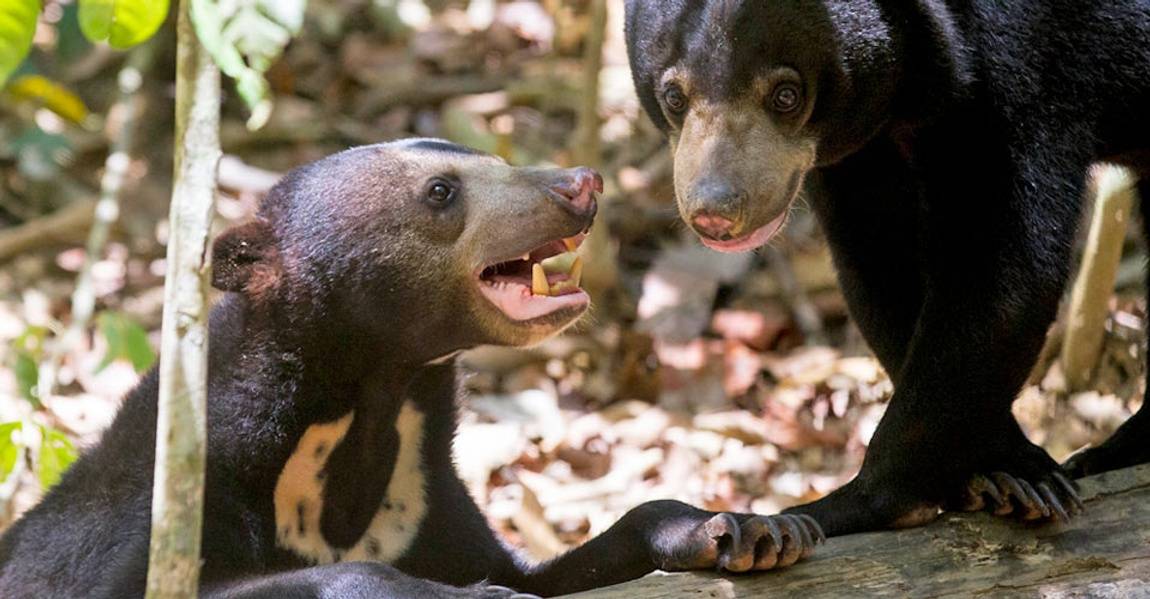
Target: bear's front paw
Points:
(740, 543)
(1049, 497)
(1020, 480)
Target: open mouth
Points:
(538, 283)
(755, 239)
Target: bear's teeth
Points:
(559, 264)
(570, 244)
(577, 271)
(539, 284)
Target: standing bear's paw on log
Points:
(332, 401)
(944, 147)
(1002, 494)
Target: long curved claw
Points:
(1070, 490)
(977, 490)
(792, 549)
(1035, 501)
(726, 534)
(1056, 508)
(815, 528)
(1050, 498)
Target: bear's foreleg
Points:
(997, 228)
(868, 206)
(670, 535)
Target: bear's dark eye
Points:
(440, 193)
(675, 99)
(786, 97)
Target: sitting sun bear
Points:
(331, 401)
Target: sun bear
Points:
(944, 147)
(331, 401)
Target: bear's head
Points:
(419, 246)
(755, 94)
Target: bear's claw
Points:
(758, 542)
(1003, 494)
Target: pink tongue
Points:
(517, 302)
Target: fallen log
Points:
(1104, 552)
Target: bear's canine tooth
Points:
(539, 284)
(577, 271)
(570, 244)
(559, 264)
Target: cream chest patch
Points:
(299, 495)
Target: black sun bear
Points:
(331, 401)
(944, 146)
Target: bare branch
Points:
(177, 500)
(1089, 301)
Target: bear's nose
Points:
(713, 226)
(718, 203)
(716, 195)
(577, 187)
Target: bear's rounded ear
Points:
(245, 258)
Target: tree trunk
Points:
(1104, 552)
(1090, 298)
(177, 502)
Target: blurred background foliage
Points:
(732, 382)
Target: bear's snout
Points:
(718, 205)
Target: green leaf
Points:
(17, 28)
(31, 341)
(136, 347)
(9, 448)
(111, 331)
(51, 95)
(121, 23)
(27, 376)
(245, 37)
(28, 350)
(56, 454)
(126, 341)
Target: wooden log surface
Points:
(1104, 552)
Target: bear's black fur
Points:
(329, 421)
(947, 144)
